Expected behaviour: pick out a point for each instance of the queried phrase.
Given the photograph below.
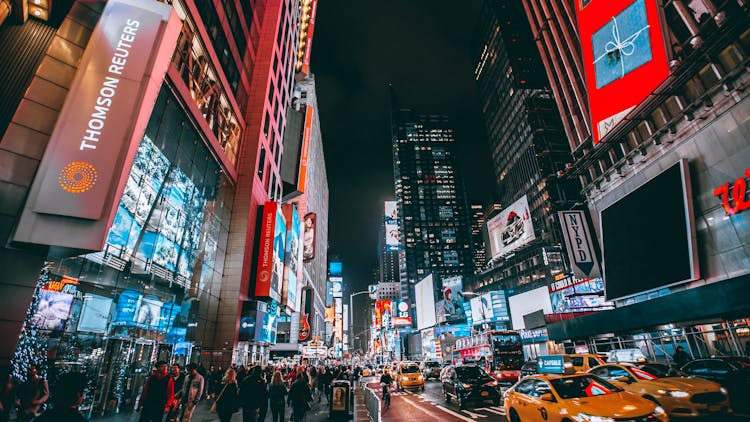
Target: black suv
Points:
(469, 383)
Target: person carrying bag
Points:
(228, 400)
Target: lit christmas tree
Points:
(32, 344)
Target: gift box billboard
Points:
(624, 57)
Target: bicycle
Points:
(386, 395)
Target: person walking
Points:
(7, 392)
(68, 395)
(680, 357)
(228, 401)
(252, 391)
(192, 391)
(277, 397)
(299, 398)
(32, 394)
(263, 399)
(179, 379)
(157, 396)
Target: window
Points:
(525, 387)
(593, 363)
(262, 163)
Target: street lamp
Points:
(351, 307)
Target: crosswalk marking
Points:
(492, 410)
(473, 415)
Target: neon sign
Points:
(738, 193)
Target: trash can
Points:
(340, 407)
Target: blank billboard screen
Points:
(425, 295)
(647, 236)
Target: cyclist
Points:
(385, 382)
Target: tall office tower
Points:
(664, 166)
(478, 222)
(130, 186)
(434, 232)
(527, 144)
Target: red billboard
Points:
(383, 314)
(624, 57)
(269, 277)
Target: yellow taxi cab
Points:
(409, 376)
(576, 397)
(582, 362)
(367, 371)
(678, 394)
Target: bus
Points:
(498, 352)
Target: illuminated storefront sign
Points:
(624, 57)
(100, 126)
(737, 193)
(578, 243)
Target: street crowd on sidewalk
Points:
(173, 394)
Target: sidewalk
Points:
(318, 413)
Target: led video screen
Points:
(648, 236)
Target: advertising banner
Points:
(451, 308)
(292, 267)
(578, 244)
(425, 297)
(489, 308)
(95, 314)
(309, 35)
(391, 226)
(268, 282)
(401, 314)
(266, 324)
(330, 314)
(305, 315)
(329, 293)
(305, 152)
(511, 229)
(335, 268)
(526, 303)
(309, 237)
(578, 295)
(372, 291)
(383, 313)
(248, 321)
(624, 57)
(53, 309)
(73, 198)
(337, 287)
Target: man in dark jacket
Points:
(299, 398)
(252, 392)
(67, 397)
(157, 395)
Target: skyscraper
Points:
(434, 231)
(478, 221)
(527, 144)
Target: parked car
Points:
(529, 368)
(469, 383)
(733, 373)
(679, 396)
(431, 369)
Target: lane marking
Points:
(458, 415)
(473, 415)
(489, 409)
(420, 408)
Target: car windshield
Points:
(582, 386)
(658, 370)
(432, 365)
(409, 369)
(471, 373)
(739, 361)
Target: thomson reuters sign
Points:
(74, 195)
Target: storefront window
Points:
(111, 315)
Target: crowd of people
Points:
(171, 394)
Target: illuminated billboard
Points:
(268, 282)
(391, 226)
(511, 229)
(73, 198)
(308, 245)
(489, 308)
(305, 152)
(292, 255)
(337, 287)
(624, 57)
(425, 298)
(450, 308)
(401, 314)
(383, 314)
(578, 295)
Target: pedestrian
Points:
(157, 396)
(228, 402)
(277, 395)
(299, 398)
(192, 391)
(312, 375)
(263, 399)
(680, 357)
(32, 394)
(68, 395)
(322, 375)
(7, 392)
(252, 392)
(241, 374)
(178, 378)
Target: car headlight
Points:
(724, 391)
(582, 417)
(674, 393)
(420, 378)
(466, 386)
(404, 379)
(659, 411)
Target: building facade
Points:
(528, 148)
(434, 232)
(689, 134)
(478, 222)
(164, 270)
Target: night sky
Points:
(422, 48)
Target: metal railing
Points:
(372, 401)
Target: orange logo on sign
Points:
(77, 177)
